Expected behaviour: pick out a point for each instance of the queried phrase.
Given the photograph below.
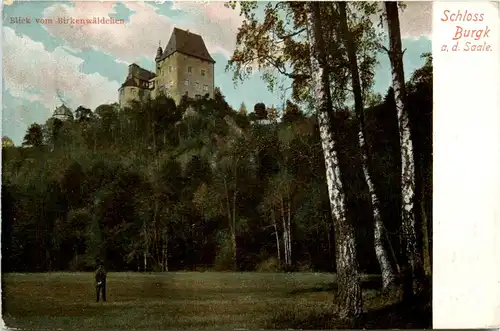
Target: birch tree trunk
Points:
(285, 233)
(233, 234)
(146, 247)
(350, 299)
(413, 267)
(165, 250)
(386, 269)
(231, 220)
(289, 231)
(425, 232)
(277, 237)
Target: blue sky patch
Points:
(104, 68)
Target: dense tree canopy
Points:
(200, 185)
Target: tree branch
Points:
(385, 49)
(274, 64)
(293, 34)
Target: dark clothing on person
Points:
(100, 278)
(101, 288)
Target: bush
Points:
(269, 265)
(224, 260)
(157, 268)
(304, 266)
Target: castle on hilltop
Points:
(185, 67)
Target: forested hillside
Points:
(201, 185)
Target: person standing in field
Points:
(100, 278)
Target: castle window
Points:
(190, 69)
(186, 82)
(197, 86)
(203, 72)
(205, 87)
(171, 83)
(197, 96)
(171, 68)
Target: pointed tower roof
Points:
(187, 43)
(63, 110)
(159, 51)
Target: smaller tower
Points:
(63, 113)
(159, 51)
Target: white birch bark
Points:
(351, 304)
(289, 231)
(386, 269)
(146, 247)
(276, 234)
(285, 233)
(165, 251)
(277, 239)
(408, 229)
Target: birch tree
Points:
(413, 265)
(280, 46)
(279, 202)
(388, 277)
(350, 298)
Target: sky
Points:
(86, 64)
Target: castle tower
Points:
(159, 52)
(63, 113)
(137, 85)
(185, 67)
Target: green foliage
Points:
(224, 257)
(177, 183)
(269, 265)
(260, 110)
(422, 77)
(34, 136)
(94, 250)
(278, 46)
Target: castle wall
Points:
(131, 93)
(195, 76)
(166, 77)
(183, 74)
(176, 76)
(154, 91)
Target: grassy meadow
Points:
(191, 300)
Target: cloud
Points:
(140, 35)
(127, 42)
(416, 20)
(35, 74)
(217, 24)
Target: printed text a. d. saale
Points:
(477, 47)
